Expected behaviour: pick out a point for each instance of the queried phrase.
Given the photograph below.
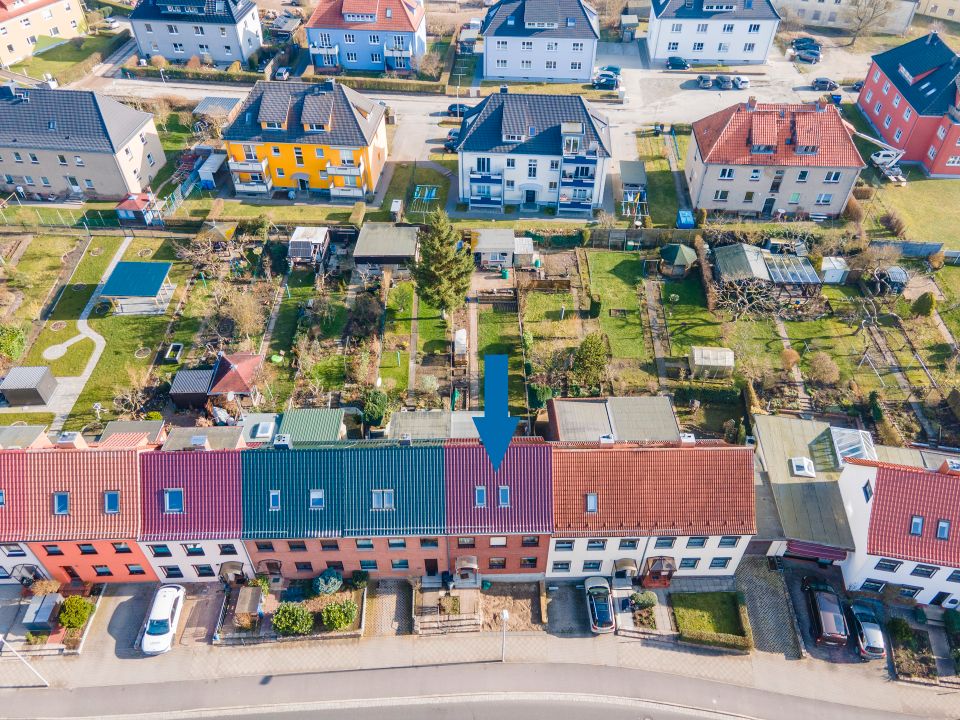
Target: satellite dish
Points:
(230, 396)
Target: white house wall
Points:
(211, 556)
(645, 548)
(509, 50)
(662, 34)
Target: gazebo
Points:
(676, 260)
(139, 288)
(658, 572)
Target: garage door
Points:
(813, 551)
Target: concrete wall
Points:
(569, 64)
(841, 14)
(667, 37)
(224, 42)
(62, 19)
(645, 548)
(214, 556)
(84, 565)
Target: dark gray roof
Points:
(69, 120)
(386, 240)
(574, 18)
(694, 10)
(627, 419)
(351, 118)
(24, 378)
(215, 105)
(199, 11)
(929, 56)
(191, 382)
(515, 114)
(434, 424)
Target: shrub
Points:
(261, 581)
(45, 587)
(194, 63)
(951, 621)
(292, 619)
(154, 415)
(539, 394)
(375, 405)
(337, 616)
(36, 639)
(75, 611)
(158, 61)
(924, 305)
(366, 315)
(854, 211)
(643, 600)
(585, 237)
(235, 67)
(647, 222)
(920, 615)
(900, 631)
(701, 217)
(864, 192)
(823, 370)
(356, 215)
(13, 341)
(936, 260)
(894, 223)
(789, 358)
(328, 582)
(359, 579)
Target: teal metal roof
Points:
(310, 425)
(136, 279)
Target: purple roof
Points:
(211, 494)
(526, 470)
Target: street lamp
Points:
(22, 659)
(504, 616)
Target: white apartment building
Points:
(728, 32)
(534, 151)
(906, 529)
(540, 40)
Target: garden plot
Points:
(499, 334)
(31, 266)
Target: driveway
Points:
(566, 609)
(118, 620)
(200, 613)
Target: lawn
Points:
(28, 418)
(682, 135)
(174, 137)
(300, 290)
(57, 59)
(406, 176)
(394, 370)
(614, 277)
(661, 190)
(543, 313)
(329, 370)
(463, 70)
(499, 334)
(948, 279)
(702, 615)
(688, 320)
(395, 358)
(431, 330)
(94, 214)
(37, 271)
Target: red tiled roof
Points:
(901, 492)
(136, 201)
(405, 15)
(124, 441)
(86, 475)
(7, 10)
(14, 515)
(211, 494)
(235, 373)
(699, 490)
(726, 136)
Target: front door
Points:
(940, 598)
(74, 184)
(430, 567)
(303, 183)
(768, 206)
(70, 571)
(531, 197)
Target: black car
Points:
(857, 86)
(828, 624)
(809, 56)
(450, 144)
(675, 62)
(457, 110)
(606, 82)
(802, 42)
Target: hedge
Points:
(84, 67)
(114, 7)
(743, 642)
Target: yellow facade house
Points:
(321, 139)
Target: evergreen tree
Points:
(442, 275)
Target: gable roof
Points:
(391, 15)
(933, 69)
(497, 21)
(198, 11)
(355, 117)
(727, 136)
(505, 113)
(153, 428)
(136, 279)
(211, 495)
(235, 373)
(217, 438)
(701, 490)
(740, 262)
(23, 436)
(68, 120)
(899, 493)
(15, 516)
(697, 10)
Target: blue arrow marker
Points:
(496, 427)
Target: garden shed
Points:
(385, 245)
(139, 288)
(890, 281)
(676, 260)
(308, 245)
(189, 388)
(28, 385)
(834, 270)
(501, 248)
(139, 209)
(711, 362)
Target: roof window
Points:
(916, 525)
(943, 530)
(802, 467)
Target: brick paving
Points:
(389, 607)
(768, 607)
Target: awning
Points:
(467, 562)
(661, 563)
(814, 551)
(625, 565)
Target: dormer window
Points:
(763, 149)
(513, 138)
(571, 22)
(807, 149)
(571, 145)
(316, 127)
(719, 7)
(272, 126)
(906, 75)
(511, 21)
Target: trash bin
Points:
(505, 273)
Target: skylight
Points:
(803, 467)
(851, 443)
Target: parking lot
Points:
(567, 609)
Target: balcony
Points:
(324, 49)
(486, 202)
(578, 182)
(260, 187)
(397, 51)
(567, 204)
(348, 170)
(582, 156)
(486, 178)
(248, 166)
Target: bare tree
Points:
(866, 15)
(246, 311)
(131, 399)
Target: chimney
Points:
(282, 442)
(688, 439)
(751, 103)
(950, 466)
(72, 440)
(504, 89)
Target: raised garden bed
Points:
(913, 657)
(644, 618)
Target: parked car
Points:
(885, 158)
(457, 110)
(857, 86)
(804, 42)
(740, 82)
(724, 82)
(704, 81)
(609, 69)
(111, 23)
(828, 625)
(453, 137)
(866, 630)
(599, 604)
(606, 82)
(453, 133)
(675, 62)
(823, 83)
(282, 73)
(163, 619)
(808, 56)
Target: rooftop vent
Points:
(802, 467)
(504, 89)
(282, 442)
(71, 440)
(607, 439)
(687, 439)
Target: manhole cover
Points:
(144, 252)
(96, 251)
(58, 326)
(142, 353)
